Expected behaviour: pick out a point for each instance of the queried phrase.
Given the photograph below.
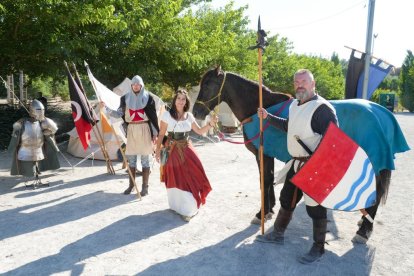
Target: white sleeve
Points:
(165, 117)
(191, 117)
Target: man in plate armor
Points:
(33, 145)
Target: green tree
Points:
(330, 82)
(390, 83)
(205, 38)
(163, 40)
(36, 36)
(407, 82)
(282, 66)
(278, 65)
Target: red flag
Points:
(80, 112)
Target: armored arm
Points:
(49, 127)
(17, 126)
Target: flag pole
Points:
(101, 141)
(261, 44)
(92, 119)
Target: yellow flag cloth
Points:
(106, 126)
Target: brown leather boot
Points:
(318, 247)
(277, 235)
(131, 183)
(145, 177)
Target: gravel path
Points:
(82, 224)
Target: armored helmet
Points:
(37, 110)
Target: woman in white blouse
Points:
(186, 182)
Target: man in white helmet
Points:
(32, 143)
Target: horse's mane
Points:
(256, 84)
(251, 86)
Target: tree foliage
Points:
(390, 83)
(117, 37)
(36, 36)
(330, 82)
(407, 82)
(278, 66)
(168, 42)
(282, 66)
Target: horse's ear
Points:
(218, 70)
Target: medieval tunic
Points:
(186, 182)
(139, 140)
(138, 111)
(300, 124)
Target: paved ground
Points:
(82, 225)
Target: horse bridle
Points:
(218, 96)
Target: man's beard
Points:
(302, 94)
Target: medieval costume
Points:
(137, 108)
(32, 144)
(186, 182)
(309, 121)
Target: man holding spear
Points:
(308, 120)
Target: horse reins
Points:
(218, 96)
(217, 109)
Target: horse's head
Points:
(210, 92)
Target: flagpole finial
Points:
(261, 42)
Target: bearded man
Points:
(309, 118)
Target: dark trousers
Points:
(290, 195)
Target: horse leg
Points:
(365, 226)
(269, 192)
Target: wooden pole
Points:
(261, 142)
(261, 44)
(99, 137)
(372, 56)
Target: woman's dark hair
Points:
(173, 110)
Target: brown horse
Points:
(360, 119)
(217, 86)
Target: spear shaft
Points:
(261, 141)
(261, 44)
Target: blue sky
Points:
(321, 27)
